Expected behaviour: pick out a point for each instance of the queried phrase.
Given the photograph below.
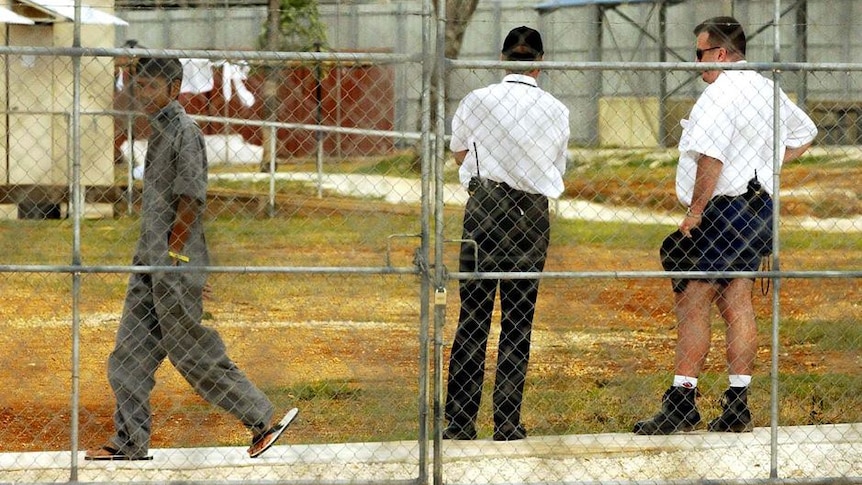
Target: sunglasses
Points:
(699, 52)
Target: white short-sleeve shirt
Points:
(732, 122)
(518, 132)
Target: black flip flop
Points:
(267, 439)
(112, 454)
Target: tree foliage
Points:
(300, 28)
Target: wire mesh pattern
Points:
(327, 236)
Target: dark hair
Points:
(522, 44)
(724, 32)
(132, 44)
(169, 68)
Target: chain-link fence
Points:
(302, 327)
(334, 253)
(604, 335)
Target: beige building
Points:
(36, 105)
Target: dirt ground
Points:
(34, 414)
(359, 331)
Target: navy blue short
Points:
(734, 235)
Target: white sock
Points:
(739, 380)
(684, 381)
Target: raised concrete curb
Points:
(804, 453)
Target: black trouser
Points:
(511, 229)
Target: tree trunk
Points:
(458, 13)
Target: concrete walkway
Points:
(804, 453)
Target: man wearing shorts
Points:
(724, 177)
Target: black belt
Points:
(753, 201)
(490, 185)
(753, 192)
(726, 198)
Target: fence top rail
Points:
(98, 269)
(656, 66)
(234, 55)
(405, 135)
(813, 274)
(389, 270)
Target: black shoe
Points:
(510, 432)
(678, 413)
(455, 432)
(735, 416)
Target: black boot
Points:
(678, 413)
(735, 416)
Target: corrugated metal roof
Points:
(64, 10)
(555, 4)
(180, 4)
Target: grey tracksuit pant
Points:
(162, 318)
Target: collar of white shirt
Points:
(521, 79)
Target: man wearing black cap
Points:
(510, 140)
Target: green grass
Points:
(827, 335)
(647, 236)
(798, 239)
(327, 390)
(608, 234)
(557, 405)
(821, 160)
(826, 398)
(235, 238)
(354, 410)
(262, 187)
(329, 229)
(404, 165)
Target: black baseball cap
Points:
(523, 44)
